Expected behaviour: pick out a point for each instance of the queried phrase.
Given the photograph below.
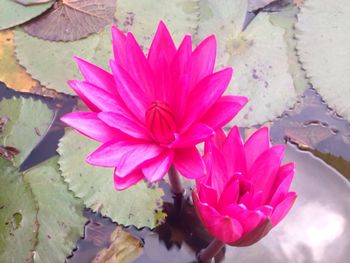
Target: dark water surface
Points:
(316, 230)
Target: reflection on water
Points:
(317, 228)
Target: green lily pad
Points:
(180, 16)
(17, 216)
(52, 63)
(60, 216)
(259, 57)
(139, 205)
(27, 123)
(13, 13)
(323, 43)
(286, 20)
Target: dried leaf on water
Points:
(124, 248)
(13, 74)
(70, 20)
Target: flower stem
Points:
(205, 255)
(175, 182)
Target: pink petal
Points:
(122, 183)
(257, 143)
(233, 210)
(204, 95)
(137, 66)
(88, 124)
(162, 44)
(265, 209)
(265, 168)
(188, 162)
(80, 90)
(219, 139)
(255, 234)
(286, 170)
(99, 98)
(195, 134)
(119, 47)
(136, 158)
(112, 153)
(96, 75)
(250, 219)
(180, 76)
(233, 151)
(221, 227)
(257, 199)
(282, 190)
(223, 111)
(226, 229)
(230, 193)
(203, 59)
(282, 209)
(158, 167)
(133, 96)
(207, 195)
(124, 124)
(216, 169)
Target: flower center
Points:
(160, 122)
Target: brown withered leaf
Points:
(124, 248)
(13, 74)
(70, 20)
(31, 2)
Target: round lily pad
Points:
(180, 16)
(323, 43)
(26, 121)
(13, 13)
(60, 216)
(139, 205)
(52, 63)
(17, 216)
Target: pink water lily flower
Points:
(151, 111)
(246, 192)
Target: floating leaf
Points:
(31, 2)
(28, 122)
(13, 74)
(180, 16)
(60, 217)
(13, 13)
(286, 20)
(17, 216)
(70, 20)
(323, 43)
(137, 205)
(259, 58)
(124, 248)
(257, 4)
(52, 63)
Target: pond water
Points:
(315, 231)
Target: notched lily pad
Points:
(13, 13)
(60, 216)
(70, 20)
(52, 63)
(323, 43)
(17, 216)
(138, 205)
(180, 16)
(259, 57)
(27, 123)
